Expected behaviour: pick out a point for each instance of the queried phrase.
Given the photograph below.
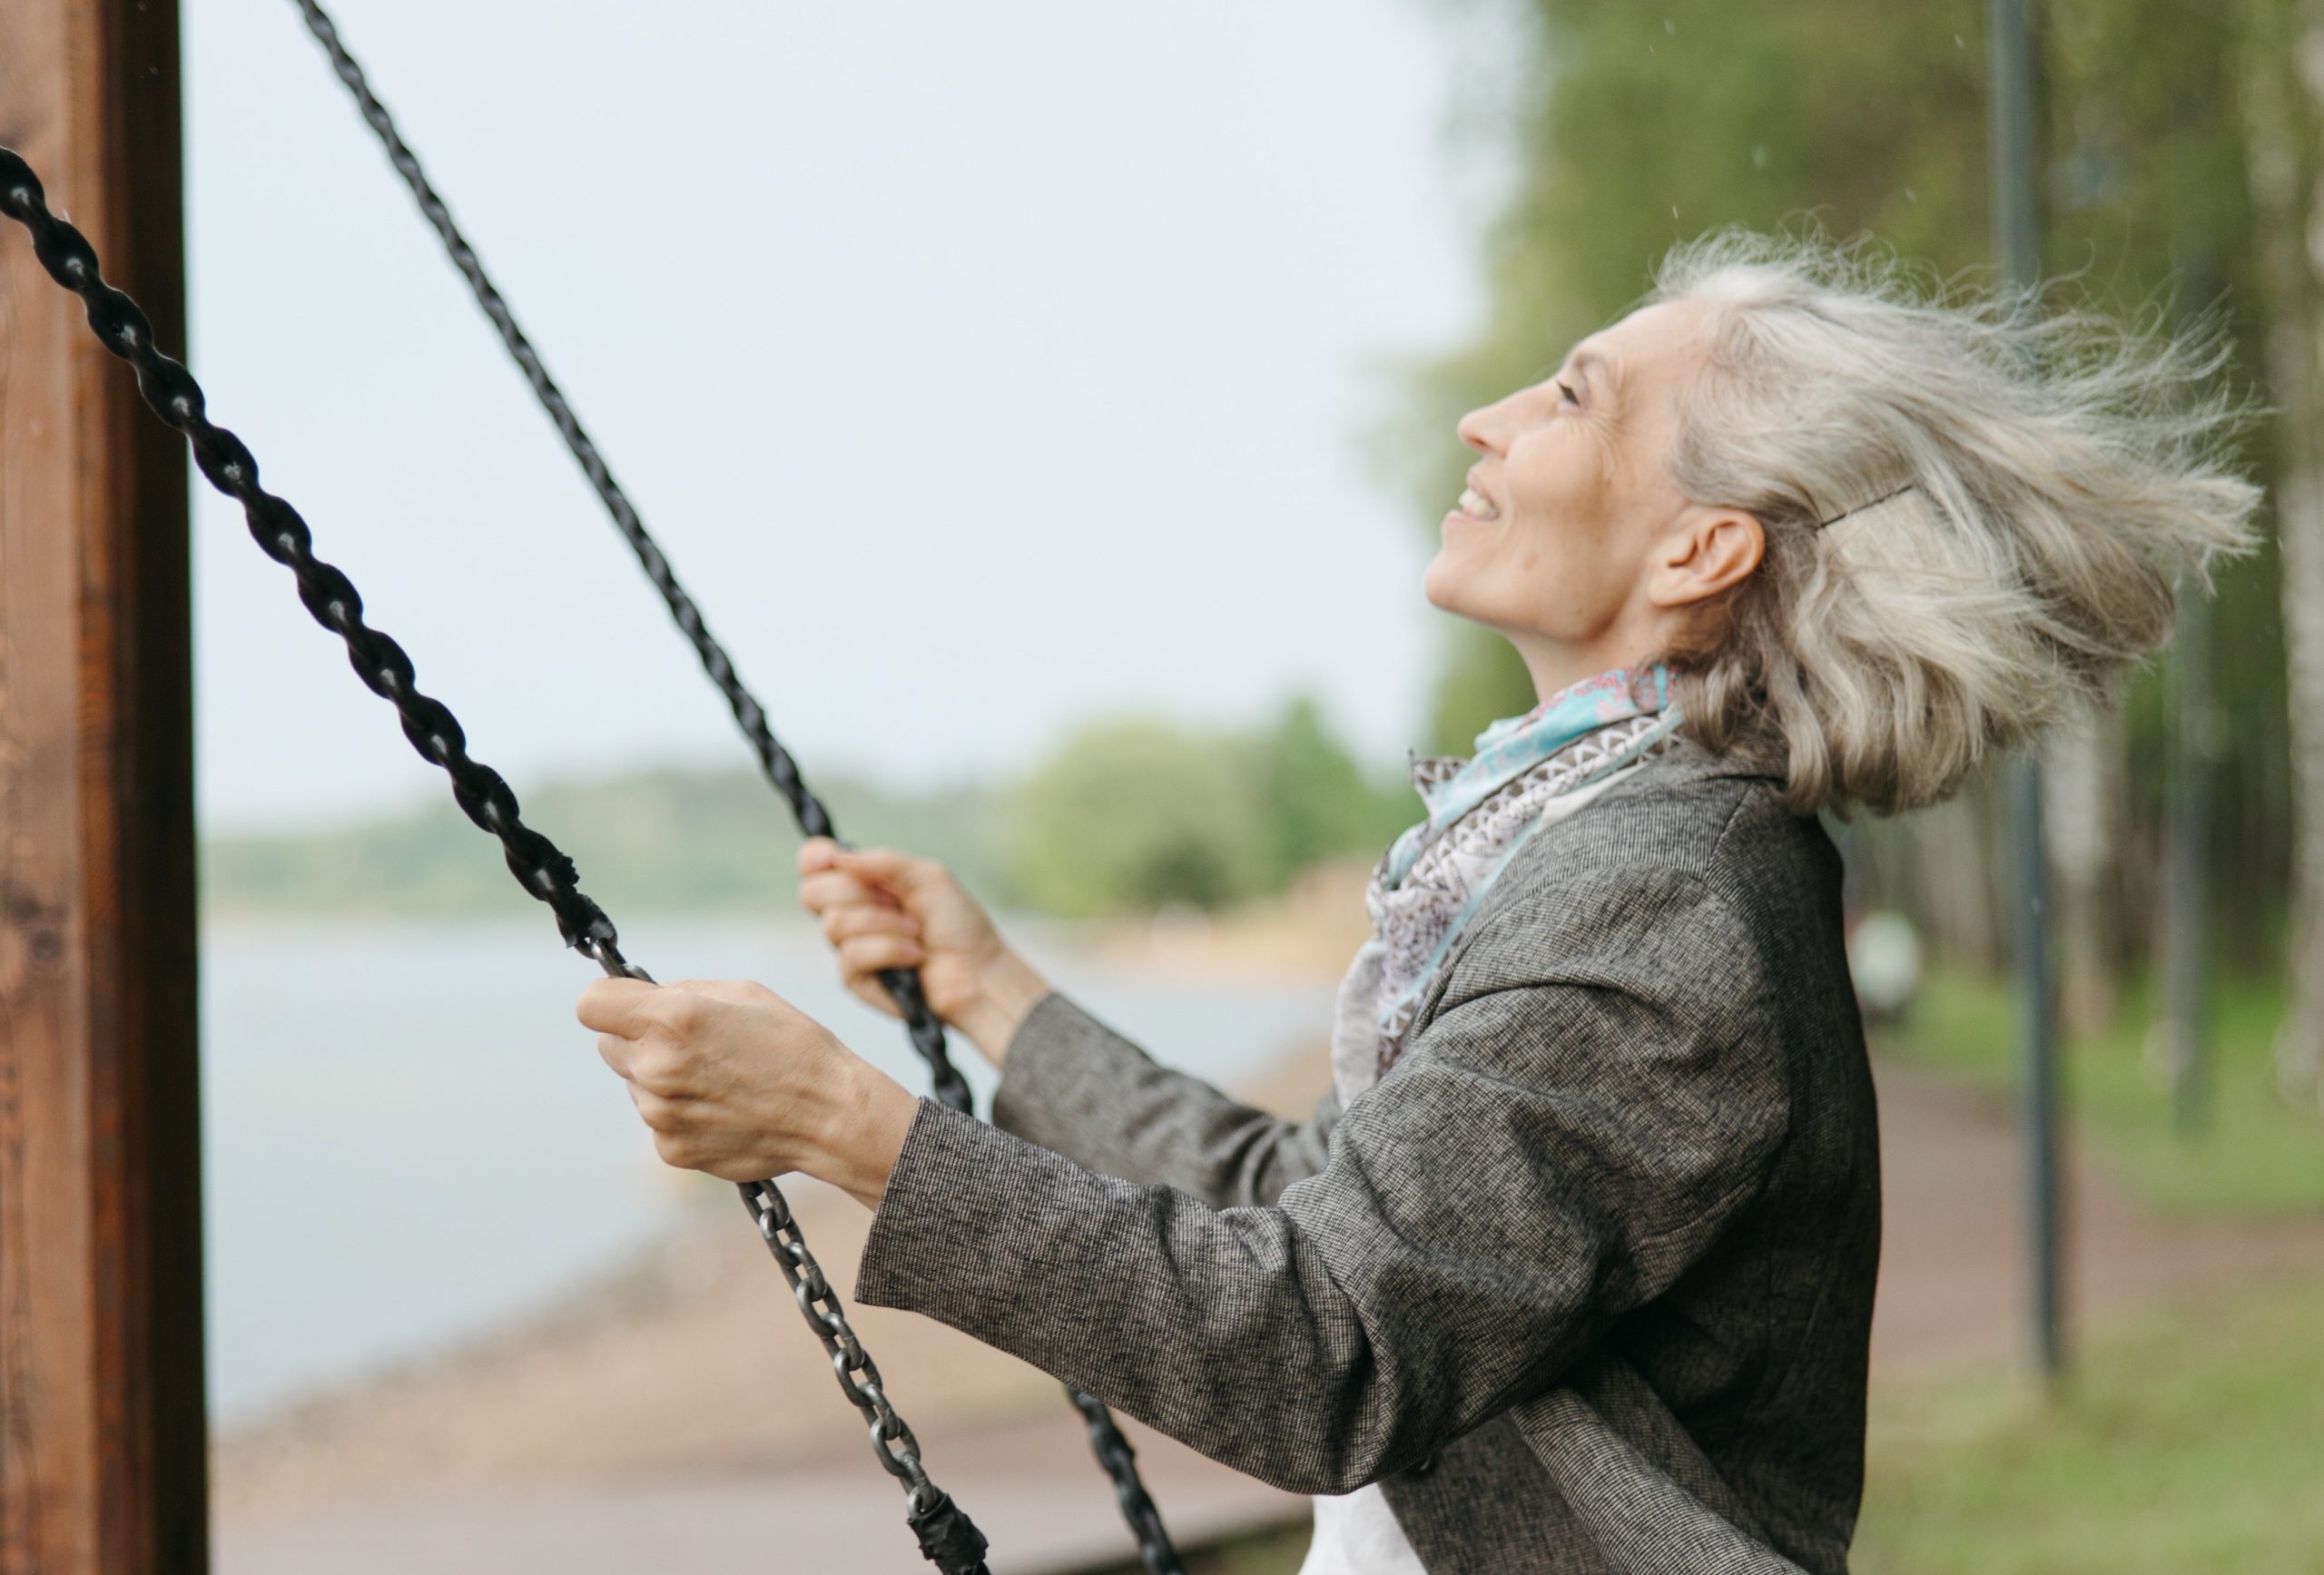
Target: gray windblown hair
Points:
(2057, 474)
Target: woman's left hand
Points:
(736, 1081)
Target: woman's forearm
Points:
(1076, 1087)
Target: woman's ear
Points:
(1710, 552)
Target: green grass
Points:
(2189, 1440)
(2256, 1156)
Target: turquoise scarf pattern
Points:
(1527, 771)
(1516, 745)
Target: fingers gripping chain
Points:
(925, 1029)
(946, 1537)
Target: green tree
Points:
(1314, 801)
(1130, 816)
(2285, 117)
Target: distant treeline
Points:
(664, 839)
(1125, 816)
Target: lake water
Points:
(408, 1138)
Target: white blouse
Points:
(1357, 1534)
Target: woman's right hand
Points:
(881, 909)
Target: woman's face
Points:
(1570, 538)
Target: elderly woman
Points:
(1572, 1269)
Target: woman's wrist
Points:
(1006, 993)
(863, 1135)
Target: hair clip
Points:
(1860, 507)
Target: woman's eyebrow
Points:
(1604, 375)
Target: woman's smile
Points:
(1474, 507)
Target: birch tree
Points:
(2285, 112)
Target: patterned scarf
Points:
(1528, 772)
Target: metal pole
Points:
(2017, 220)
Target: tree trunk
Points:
(2286, 112)
(1958, 867)
(2083, 816)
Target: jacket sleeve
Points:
(1573, 1127)
(1072, 1085)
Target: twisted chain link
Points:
(922, 1027)
(946, 1536)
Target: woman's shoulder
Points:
(1690, 853)
(1684, 812)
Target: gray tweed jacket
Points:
(1585, 1282)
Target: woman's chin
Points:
(1465, 551)
(1440, 584)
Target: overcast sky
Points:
(983, 368)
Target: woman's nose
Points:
(1477, 429)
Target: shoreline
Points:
(687, 1357)
(1308, 931)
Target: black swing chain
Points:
(946, 1537)
(925, 1029)
(780, 770)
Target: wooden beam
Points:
(103, 1464)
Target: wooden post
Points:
(102, 1465)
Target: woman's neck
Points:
(1556, 667)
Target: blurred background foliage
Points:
(1641, 126)
(1135, 816)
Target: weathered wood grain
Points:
(102, 1447)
